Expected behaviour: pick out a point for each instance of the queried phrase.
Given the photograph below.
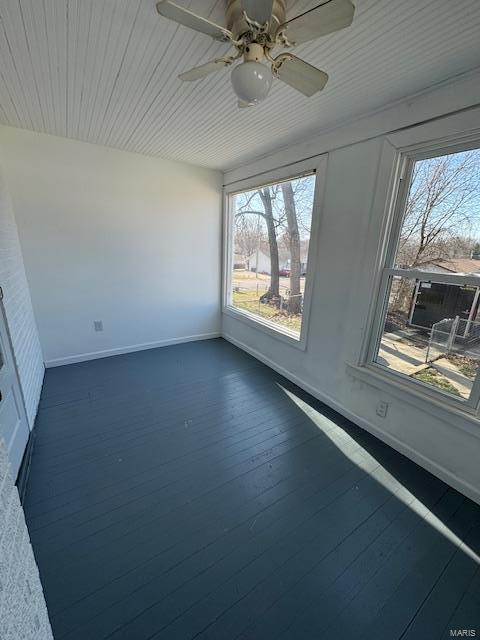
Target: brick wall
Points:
(18, 307)
(23, 612)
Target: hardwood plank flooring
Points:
(192, 492)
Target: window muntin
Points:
(271, 228)
(429, 313)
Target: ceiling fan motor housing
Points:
(254, 52)
(238, 26)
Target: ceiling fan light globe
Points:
(251, 81)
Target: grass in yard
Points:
(431, 376)
(248, 301)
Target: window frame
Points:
(403, 163)
(316, 166)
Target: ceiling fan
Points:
(255, 28)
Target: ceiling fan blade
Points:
(258, 10)
(323, 19)
(299, 74)
(204, 70)
(185, 17)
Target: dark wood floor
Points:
(191, 492)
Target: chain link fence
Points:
(454, 335)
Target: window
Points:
(428, 316)
(270, 228)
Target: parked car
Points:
(284, 273)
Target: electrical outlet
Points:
(382, 409)
(98, 325)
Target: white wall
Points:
(349, 238)
(114, 236)
(23, 612)
(18, 307)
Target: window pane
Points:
(271, 236)
(441, 225)
(432, 334)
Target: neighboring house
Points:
(259, 262)
(436, 301)
(262, 258)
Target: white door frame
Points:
(12, 401)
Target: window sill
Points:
(465, 419)
(280, 333)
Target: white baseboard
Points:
(94, 355)
(430, 465)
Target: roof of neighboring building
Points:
(458, 265)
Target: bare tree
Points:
(459, 246)
(440, 213)
(248, 237)
(295, 303)
(304, 192)
(287, 208)
(266, 197)
(438, 207)
(273, 292)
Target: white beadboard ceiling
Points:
(105, 71)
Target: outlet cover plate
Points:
(382, 409)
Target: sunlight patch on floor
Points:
(350, 448)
